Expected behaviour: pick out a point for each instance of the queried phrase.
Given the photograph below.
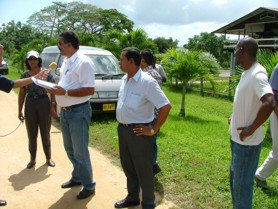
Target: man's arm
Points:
(264, 112)
(81, 92)
(25, 81)
(161, 118)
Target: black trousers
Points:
(37, 115)
(136, 154)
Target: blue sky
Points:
(179, 19)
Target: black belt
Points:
(134, 124)
(74, 106)
(37, 96)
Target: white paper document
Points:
(43, 84)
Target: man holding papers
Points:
(76, 86)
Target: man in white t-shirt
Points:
(253, 103)
(75, 88)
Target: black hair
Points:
(250, 46)
(29, 67)
(133, 53)
(70, 37)
(147, 55)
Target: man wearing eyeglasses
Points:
(253, 103)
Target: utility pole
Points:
(56, 10)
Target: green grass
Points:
(14, 74)
(194, 153)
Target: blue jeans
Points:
(75, 124)
(244, 163)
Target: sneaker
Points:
(260, 183)
(156, 169)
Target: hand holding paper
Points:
(43, 84)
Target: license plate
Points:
(108, 107)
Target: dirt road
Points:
(40, 188)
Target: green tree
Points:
(186, 65)
(268, 59)
(163, 44)
(115, 41)
(211, 43)
(81, 18)
(14, 35)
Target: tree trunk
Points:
(182, 112)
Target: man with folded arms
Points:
(138, 95)
(75, 88)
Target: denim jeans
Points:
(244, 163)
(75, 124)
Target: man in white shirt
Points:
(138, 95)
(253, 103)
(76, 86)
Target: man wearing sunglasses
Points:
(253, 103)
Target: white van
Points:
(107, 75)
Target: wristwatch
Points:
(67, 93)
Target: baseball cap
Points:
(32, 53)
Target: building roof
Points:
(254, 22)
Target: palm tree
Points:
(186, 65)
(115, 41)
(267, 59)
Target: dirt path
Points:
(40, 188)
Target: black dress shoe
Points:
(3, 202)
(126, 203)
(51, 163)
(70, 184)
(31, 165)
(85, 193)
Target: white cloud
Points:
(219, 2)
(181, 19)
(182, 32)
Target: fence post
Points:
(230, 88)
(202, 86)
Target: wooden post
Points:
(202, 86)
(230, 89)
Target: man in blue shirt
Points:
(138, 95)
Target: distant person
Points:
(37, 110)
(6, 85)
(75, 88)
(271, 163)
(159, 69)
(147, 58)
(138, 95)
(253, 103)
